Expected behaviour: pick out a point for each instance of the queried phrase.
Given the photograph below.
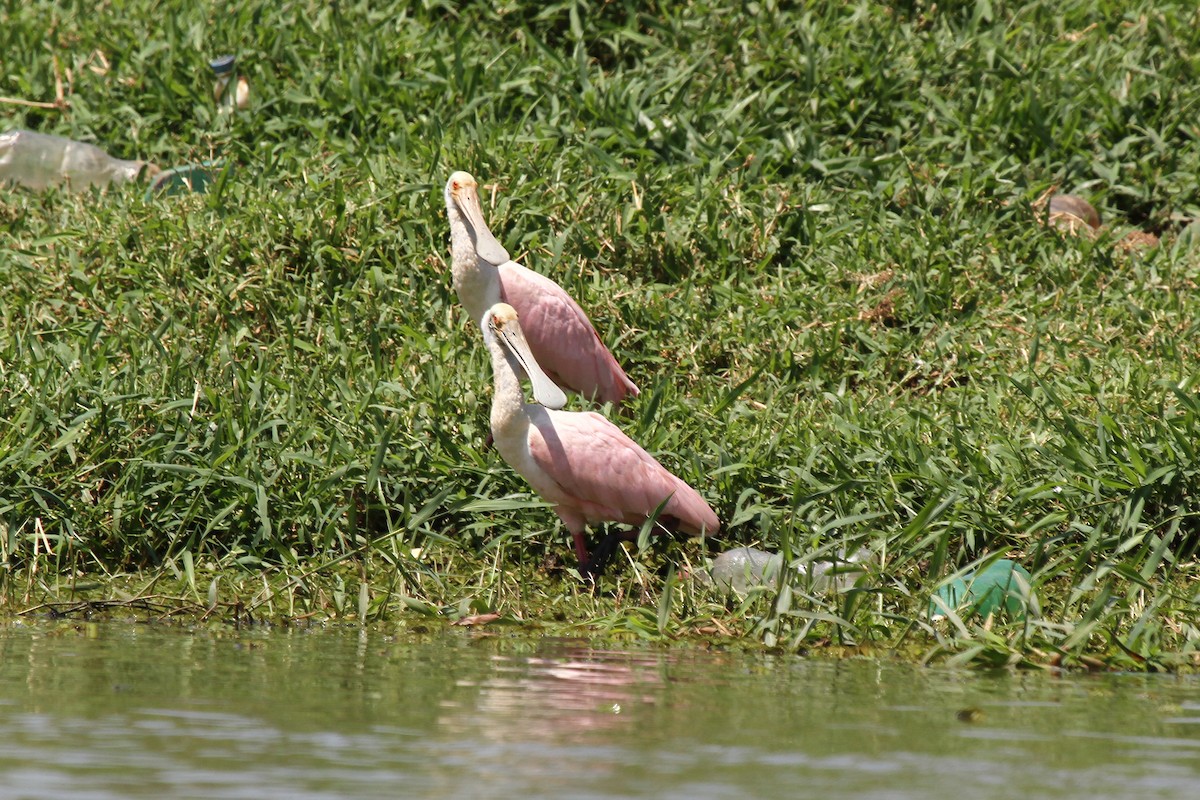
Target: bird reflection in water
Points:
(562, 696)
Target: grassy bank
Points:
(814, 238)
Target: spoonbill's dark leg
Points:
(594, 566)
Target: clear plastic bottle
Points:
(39, 160)
(745, 567)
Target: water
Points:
(125, 711)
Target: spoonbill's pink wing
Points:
(562, 338)
(607, 476)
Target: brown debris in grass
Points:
(1137, 240)
(883, 312)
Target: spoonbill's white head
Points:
(462, 194)
(502, 324)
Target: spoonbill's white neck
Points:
(509, 417)
(474, 252)
(476, 281)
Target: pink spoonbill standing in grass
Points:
(560, 335)
(579, 461)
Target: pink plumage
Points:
(562, 338)
(598, 474)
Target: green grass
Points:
(813, 237)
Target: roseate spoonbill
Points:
(579, 460)
(560, 335)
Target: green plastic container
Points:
(1003, 585)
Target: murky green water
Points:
(119, 711)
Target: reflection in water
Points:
(559, 719)
(559, 695)
(130, 712)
